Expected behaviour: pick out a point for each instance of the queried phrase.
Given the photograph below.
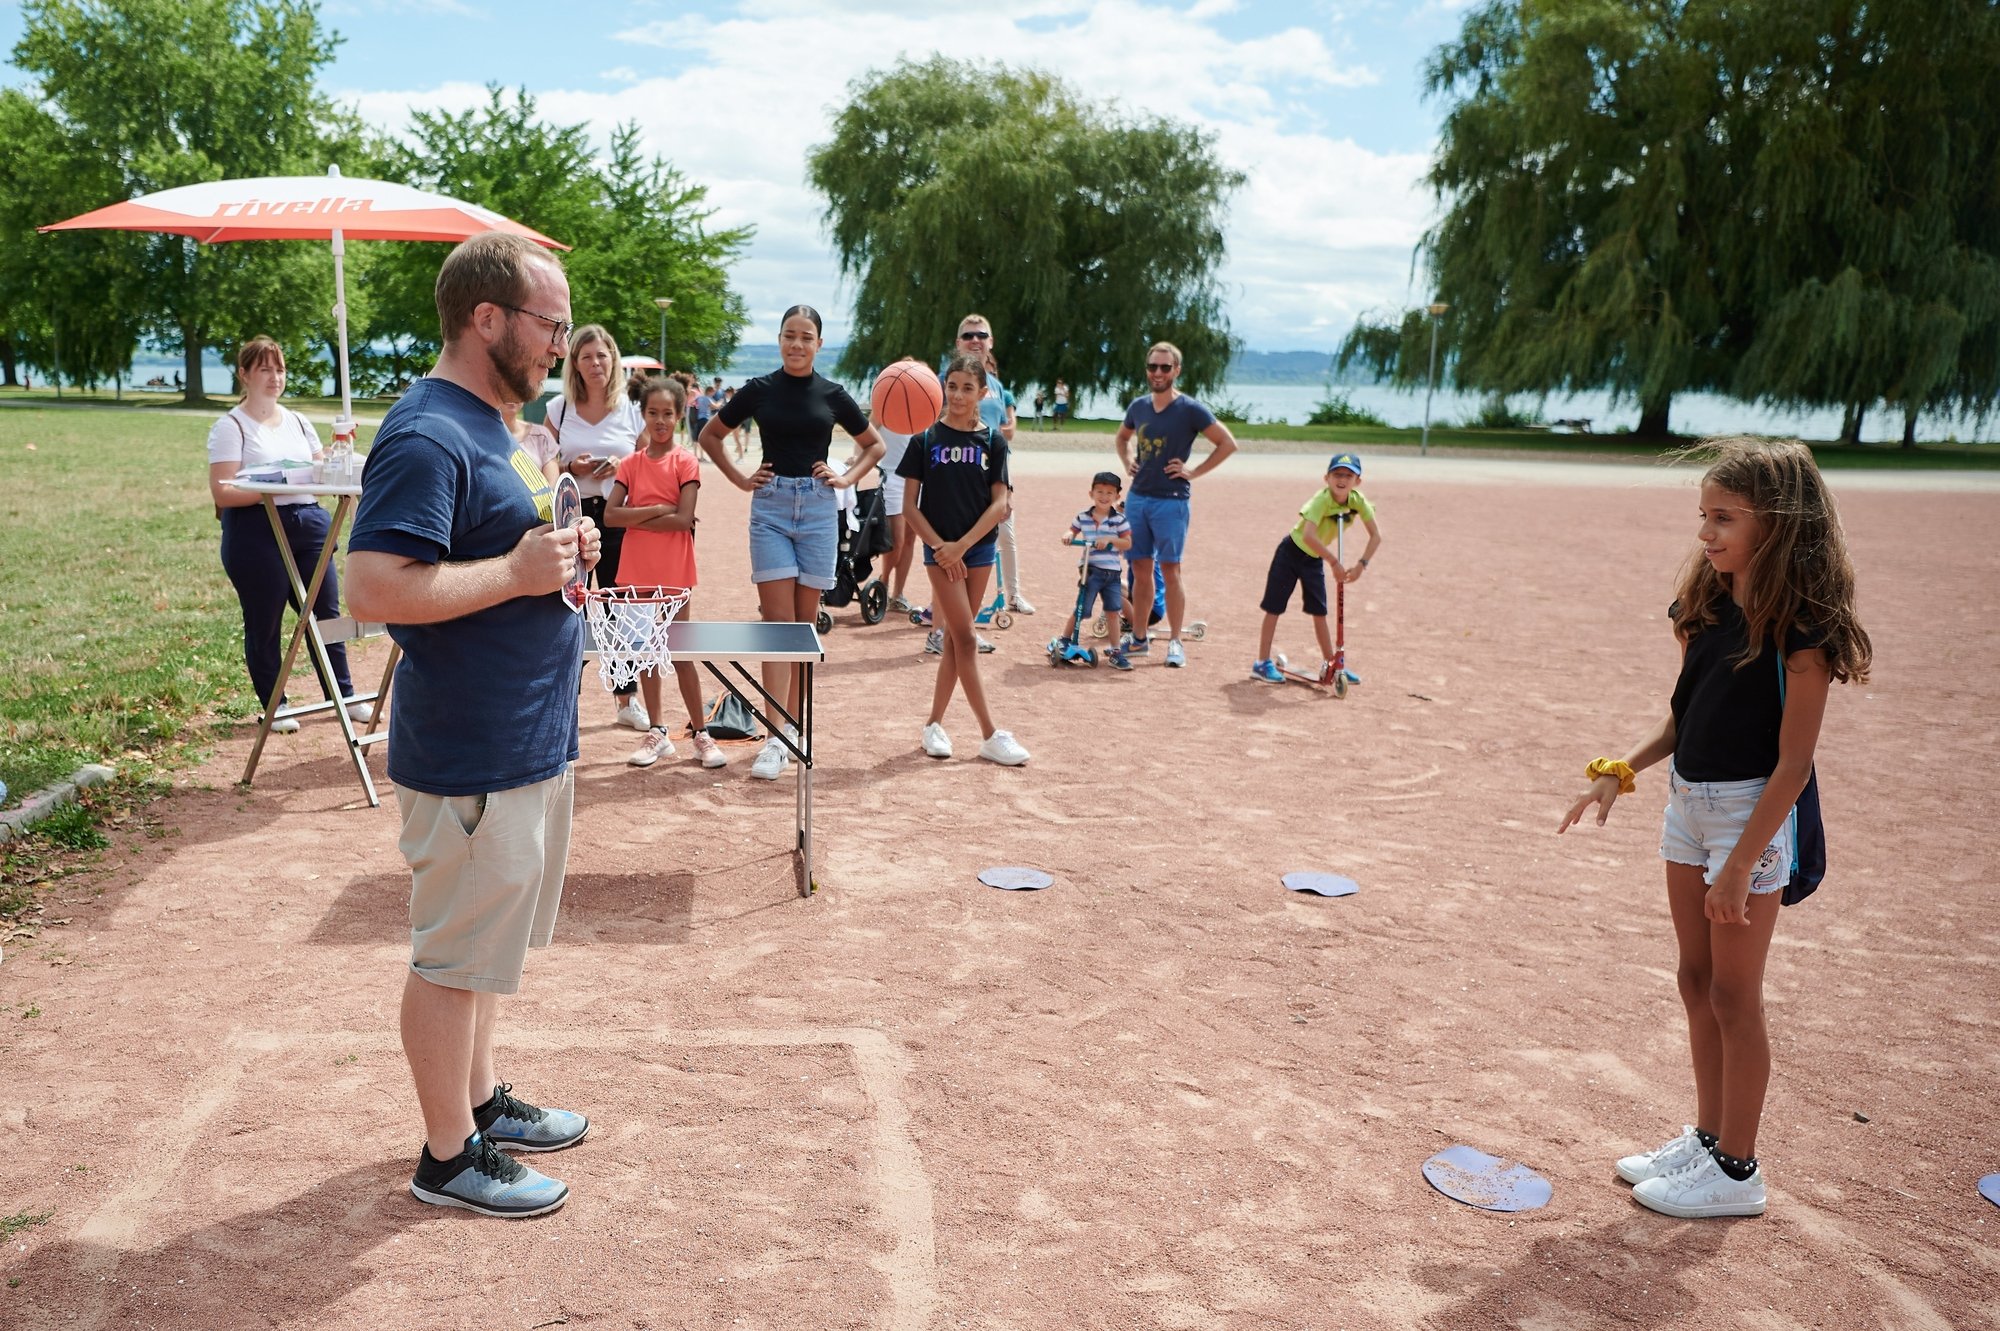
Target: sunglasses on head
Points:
(974, 335)
(1159, 369)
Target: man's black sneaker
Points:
(481, 1179)
(513, 1124)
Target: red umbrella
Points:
(331, 207)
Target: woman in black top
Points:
(792, 511)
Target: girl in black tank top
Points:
(1765, 618)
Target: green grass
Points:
(1925, 457)
(10, 1225)
(118, 630)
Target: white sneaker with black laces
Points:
(1699, 1190)
(1020, 605)
(1661, 1159)
(1001, 747)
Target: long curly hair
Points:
(1800, 576)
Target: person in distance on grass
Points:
(1161, 427)
(453, 549)
(260, 433)
(1107, 535)
(957, 470)
(653, 499)
(1299, 556)
(1764, 615)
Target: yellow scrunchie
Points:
(1627, 778)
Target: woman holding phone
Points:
(596, 425)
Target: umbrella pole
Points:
(340, 320)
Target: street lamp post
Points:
(1430, 376)
(663, 302)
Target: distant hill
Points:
(1252, 367)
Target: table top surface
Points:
(717, 640)
(287, 488)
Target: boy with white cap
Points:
(1315, 540)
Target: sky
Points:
(1318, 102)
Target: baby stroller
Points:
(864, 536)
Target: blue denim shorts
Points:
(1159, 527)
(793, 532)
(1103, 586)
(1704, 821)
(982, 555)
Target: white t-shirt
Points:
(241, 438)
(613, 438)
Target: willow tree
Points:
(1083, 234)
(1870, 246)
(1791, 201)
(1580, 167)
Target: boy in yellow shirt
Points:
(1315, 540)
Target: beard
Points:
(514, 367)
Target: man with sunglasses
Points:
(1164, 424)
(453, 549)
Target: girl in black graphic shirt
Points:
(957, 474)
(1766, 621)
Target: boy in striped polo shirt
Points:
(1103, 529)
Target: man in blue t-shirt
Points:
(453, 548)
(1163, 425)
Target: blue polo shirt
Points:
(487, 701)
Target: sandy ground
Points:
(1164, 1093)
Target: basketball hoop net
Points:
(629, 626)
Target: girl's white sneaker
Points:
(936, 743)
(1001, 747)
(1699, 1190)
(1661, 1159)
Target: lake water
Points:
(1693, 413)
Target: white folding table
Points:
(317, 633)
(715, 644)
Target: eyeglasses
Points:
(974, 335)
(1161, 369)
(559, 329)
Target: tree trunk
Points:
(1850, 423)
(191, 393)
(1653, 418)
(7, 363)
(1909, 427)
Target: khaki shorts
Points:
(486, 877)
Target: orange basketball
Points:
(907, 398)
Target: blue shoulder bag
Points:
(1808, 830)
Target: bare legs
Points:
(784, 601)
(448, 1040)
(1721, 978)
(1141, 609)
(896, 563)
(952, 612)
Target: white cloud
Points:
(1322, 229)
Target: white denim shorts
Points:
(1704, 821)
